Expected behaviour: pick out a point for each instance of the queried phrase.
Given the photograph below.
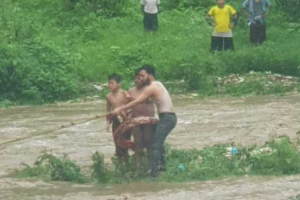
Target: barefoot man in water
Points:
(142, 133)
(156, 92)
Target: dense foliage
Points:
(50, 49)
(290, 7)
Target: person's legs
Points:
(262, 34)
(154, 22)
(126, 136)
(216, 44)
(115, 124)
(138, 143)
(147, 22)
(148, 131)
(228, 44)
(121, 153)
(163, 128)
(253, 34)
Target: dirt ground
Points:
(201, 123)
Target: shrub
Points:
(100, 173)
(37, 73)
(57, 169)
(290, 7)
(105, 8)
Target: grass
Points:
(49, 53)
(278, 157)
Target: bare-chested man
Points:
(115, 99)
(155, 91)
(142, 133)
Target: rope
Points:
(53, 130)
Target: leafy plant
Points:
(100, 173)
(289, 7)
(57, 169)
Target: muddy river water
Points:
(201, 123)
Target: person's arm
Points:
(245, 6)
(246, 12)
(267, 12)
(142, 9)
(143, 6)
(108, 109)
(234, 21)
(158, 3)
(269, 5)
(142, 97)
(209, 18)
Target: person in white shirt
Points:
(150, 10)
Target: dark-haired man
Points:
(155, 91)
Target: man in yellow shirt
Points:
(219, 17)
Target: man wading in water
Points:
(142, 133)
(156, 92)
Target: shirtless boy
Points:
(115, 99)
(141, 133)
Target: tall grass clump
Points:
(50, 167)
(100, 172)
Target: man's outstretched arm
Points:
(146, 94)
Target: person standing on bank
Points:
(150, 10)
(156, 92)
(257, 11)
(219, 17)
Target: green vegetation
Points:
(278, 157)
(50, 167)
(290, 7)
(296, 197)
(51, 49)
(100, 172)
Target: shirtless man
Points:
(142, 133)
(115, 99)
(155, 91)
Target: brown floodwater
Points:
(243, 121)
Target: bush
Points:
(57, 169)
(100, 173)
(290, 7)
(197, 3)
(35, 73)
(105, 8)
(173, 4)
